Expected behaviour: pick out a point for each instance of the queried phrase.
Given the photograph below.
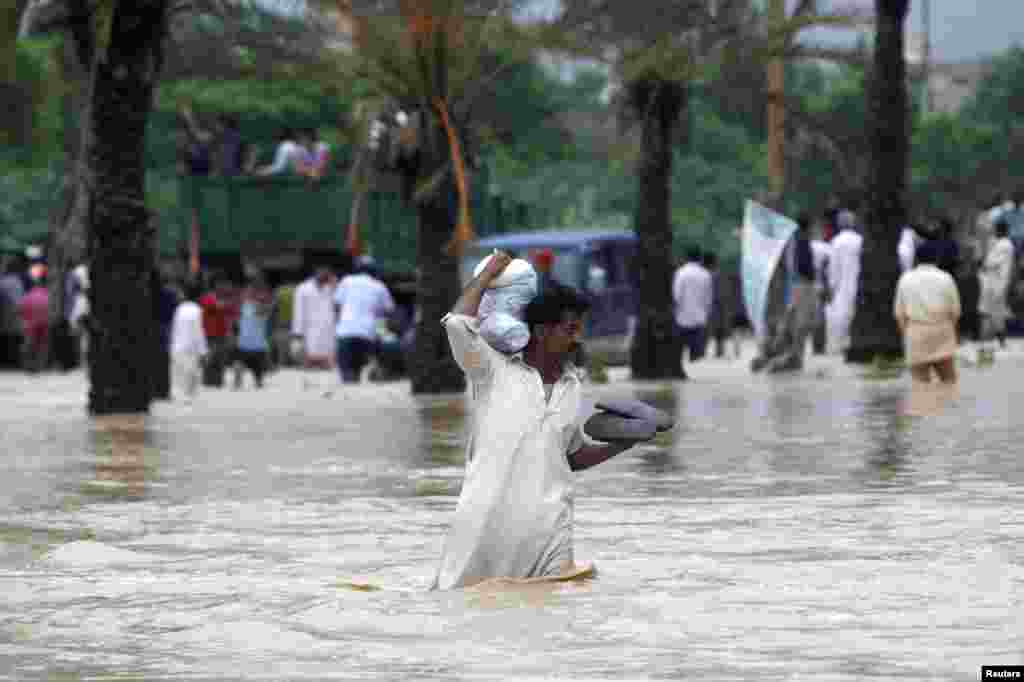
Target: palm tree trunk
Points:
(120, 234)
(431, 367)
(67, 224)
(656, 352)
(874, 330)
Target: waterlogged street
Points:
(829, 527)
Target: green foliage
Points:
(1000, 96)
(27, 190)
(284, 98)
(951, 155)
(39, 73)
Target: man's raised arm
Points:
(469, 301)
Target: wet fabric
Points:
(928, 300)
(515, 513)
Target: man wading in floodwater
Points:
(515, 514)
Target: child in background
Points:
(188, 343)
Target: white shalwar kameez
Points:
(843, 276)
(515, 514)
(994, 278)
(313, 318)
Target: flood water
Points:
(790, 529)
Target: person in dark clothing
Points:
(11, 291)
(969, 324)
(231, 149)
(948, 249)
(787, 355)
(165, 302)
(718, 327)
(198, 151)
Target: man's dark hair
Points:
(694, 254)
(552, 304)
(928, 253)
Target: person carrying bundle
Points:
(515, 513)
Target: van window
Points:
(605, 257)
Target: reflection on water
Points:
(121, 444)
(444, 424)
(788, 528)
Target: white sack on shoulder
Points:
(503, 304)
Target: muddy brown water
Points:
(788, 529)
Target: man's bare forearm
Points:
(469, 302)
(592, 455)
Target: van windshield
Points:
(566, 270)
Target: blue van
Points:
(597, 262)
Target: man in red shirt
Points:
(219, 314)
(34, 309)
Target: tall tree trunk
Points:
(432, 367)
(874, 331)
(67, 222)
(120, 235)
(656, 352)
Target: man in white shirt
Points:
(693, 295)
(361, 301)
(843, 281)
(514, 518)
(188, 343)
(313, 319)
(927, 308)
